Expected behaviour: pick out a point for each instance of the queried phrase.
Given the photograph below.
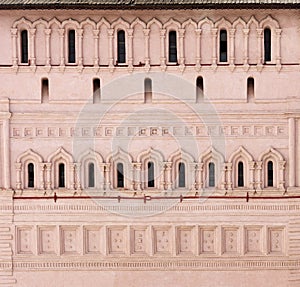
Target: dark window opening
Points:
(181, 172)
(223, 46)
(172, 47)
(250, 88)
(121, 47)
(240, 174)
(71, 47)
(211, 174)
(150, 174)
(270, 174)
(24, 46)
(120, 175)
(30, 169)
(96, 91)
(61, 175)
(199, 90)
(45, 90)
(91, 175)
(148, 90)
(267, 44)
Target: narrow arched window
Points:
(45, 90)
(151, 174)
(250, 88)
(71, 47)
(61, 175)
(121, 47)
(24, 46)
(199, 90)
(91, 174)
(30, 170)
(181, 174)
(270, 174)
(172, 47)
(223, 46)
(96, 91)
(240, 174)
(211, 174)
(147, 90)
(120, 175)
(267, 45)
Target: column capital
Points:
(47, 32)
(163, 32)
(32, 32)
(110, 32)
(14, 31)
(96, 33)
(146, 32)
(198, 32)
(246, 31)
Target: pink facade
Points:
(149, 147)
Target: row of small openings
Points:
(147, 90)
(121, 46)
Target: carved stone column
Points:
(231, 39)
(48, 57)
(162, 49)
(246, 45)
(278, 48)
(107, 177)
(259, 46)
(62, 50)
(96, 47)
(32, 47)
(229, 176)
(130, 178)
(78, 178)
(258, 185)
(48, 176)
(181, 47)
(14, 46)
(146, 47)
(18, 175)
(168, 171)
(251, 174)
(292, 152)
(42, 171)
(198, 48)
(110, 47)
(200, 176)
(6, 150)
(223, 176)
(214, 58)
(130, 48)
(72, 176)
(80, 56)
(137, 176)
(102, 177)
(281, 175)
(192, 181)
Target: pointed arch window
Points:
(267, 45)
(71, 47)
(24, 46)
(121, 47)
(223, 46)
(240, 174)
(151, 182)
(30, 170)
(172, 47)
(211, 174)
(270, 173)
(61, 175)
(181, 174)
(199, 90)
(120, 175)
(91, 174)
(147, 90)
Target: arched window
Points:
(147, 90)
(96, 91)
(45, 90)
(181, 174)
(61, 175)
(250, 88)
(120, 175)
(270, 174)
(211, 174)
(151, 182)
(121, 47)
(24, 46)
(30, 170)
(267, 45)
(172, 47)
(240, 174)
(91, 174)
(71, 47)
(223, 46)
(199, 90)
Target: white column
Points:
(229, 176)
(111, 47)
(96, 47)
(146, 47)
(231, 39)
(137, 176)
(246, 45)
(79, 37)
(48, 57)
(281, 175)
(42, 170)
(181, 47)
(78, 181)
(62, 50)
(14, 46)
(251, 174)
(198, 48)
(259, 46)
(168, 170)
(162, 48)
(214, 32)
(130, 47)
(223, 176)
(6, 153)
(278, 48)
(259, 175)
(32, 46)
(18, 175)
(48, 176)
(292, 152)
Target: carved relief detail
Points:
(185, 240)
(69, 239)
(162, 240)
(116, 239)
(24, 240)
(253, 240)
(275, 240)
(230, 240)
(92, 240)
(46, 240)
(138, 240)
(207, 240)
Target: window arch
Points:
(250, 89)
(121, 59)
(96, 91)
(223, 46)
(172, 47)
(45, 90)
(30, 174)
(24, 46)
(199, 89)
(71, 46)
(151, 181)
(240, 174)
(91, 174)
(211, 175)
(270, 174)
(267, 45)
(147, 90)
(61, 175)
(181, 175)
(120, 175)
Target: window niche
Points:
(96, 91)
(199, 90)
(61, 175)
(151, 181)
(45, 91)
(240, 174)
(181, 175)
(121, 47)
(71, 47)
(223, 46)
(250, 89)
(172, 47)
(91, 175)
(24, 47)
(270, 174)
(267, 45)
(30, 175)
(147, 90)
